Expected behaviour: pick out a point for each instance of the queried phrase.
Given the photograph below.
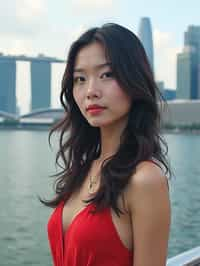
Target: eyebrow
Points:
(96, 67)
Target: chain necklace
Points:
(93, 181)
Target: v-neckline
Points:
(75, 217)
(65, 232)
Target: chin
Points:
(99, 123)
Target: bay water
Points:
(26, 163)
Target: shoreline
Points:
(47, 127)
(181, 131)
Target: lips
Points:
(96, 111)
(94, 107)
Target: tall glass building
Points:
(192, 37)
(7, 84)
(40, 84)
(187, 74)
(188, 65)
(145, 35)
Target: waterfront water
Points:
(25, 164)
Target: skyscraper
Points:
(187, 85)
(40, 84)
(188, 65)
(7, 84)
(192, 37)
(145, 35)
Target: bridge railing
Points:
(187, 258)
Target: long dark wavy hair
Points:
(79, 142)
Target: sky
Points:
(31, 27)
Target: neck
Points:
(110, 140)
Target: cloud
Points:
(24, 24)
(165, 56)
(23, 17)
(73, 34)
(93, 10)
(28, 11)
(29, 25)
(94, 4)
(19, 46)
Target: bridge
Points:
(7, 116)
(42, 116)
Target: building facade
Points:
(7, 85)
(168, 94)
(187, 75)
(40, 73)
(145, 36)
(40, 85)
(192, 37)
(188, 66)
(182, 113)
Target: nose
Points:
(93, 90)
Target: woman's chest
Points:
(76, 214)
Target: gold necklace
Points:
(93, 181)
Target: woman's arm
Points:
(149, 204)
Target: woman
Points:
(112, 204)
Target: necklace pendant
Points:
(90, 189)
(91, 185)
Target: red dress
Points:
(90, 240)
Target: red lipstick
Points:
(95, 109)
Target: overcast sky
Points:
(31, 27)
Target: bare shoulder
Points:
(147, 182)
(149, 207)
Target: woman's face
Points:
(94, 84)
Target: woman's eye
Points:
(108, 74)
(79, 79)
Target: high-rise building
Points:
(188, 65)
(145, 35)
(192, 37)
(40, 84)
(198, 80)
(168, 94)
(187, 74)
(7, 84)
(40, 81)
(161, 86)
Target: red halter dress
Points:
(90, 240)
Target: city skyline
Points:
(32, 73)
(34, 27)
